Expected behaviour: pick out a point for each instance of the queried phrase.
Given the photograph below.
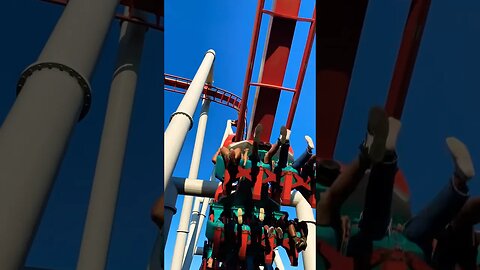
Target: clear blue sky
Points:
(28, 24)
(226, 27)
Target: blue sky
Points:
(226, 27)
(28, 24)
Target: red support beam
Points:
(302, 71)
(275, 64)
(212, 93)
(248, 76)
(407, 55)
(340, 25)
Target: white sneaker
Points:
(461, 157)
(240, 216)
(287, 137)
(261, 215)
(271, 232)
(309, 142)
(394, 126)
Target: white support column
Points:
(182, 231)
(171, 194)
(185, 186)
(53, 94)
(305, 213)
(196, 233)
(198, 217)
(199, 251)
(193, 226)
(108, 172)
(182, 120)
(278, 260)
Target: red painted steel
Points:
(286, 16)
(248, 76)
(154, 7)
(338, 37)
(412, 36)
(277, 51)
(274, 87)
(213, 93)
(275, 65)
(303, 69)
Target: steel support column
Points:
(305, 213)
(53, 94)
(278, 260)
(182, 120)
(302, 71)
(182, 231)
(103, 197)
(192, 229)
(197, 221)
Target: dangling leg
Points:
(283, 157)
(423, 227)
(372, 151)
(378, 199)
(305, 157)
(273, 150)
(256, 140)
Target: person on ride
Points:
(283, 144)
(377, 153)
(304, 163)
(291, 227)
(449, 218)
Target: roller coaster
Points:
(245, 224)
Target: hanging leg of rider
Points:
(422, 228)
(332, 199)
(431, 220)
(302, 160)
(378, 198)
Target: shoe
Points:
(257, 133)
(301, 244)
(309, 142)
(377, 134)
(271, 232)
(394, 126)
(461, 157)
(287, 136)
(279, 232)
(261, 215)
(240, 216)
